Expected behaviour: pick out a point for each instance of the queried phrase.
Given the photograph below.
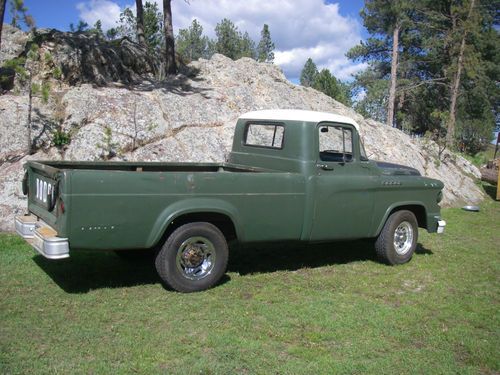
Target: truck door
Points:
(344, 185)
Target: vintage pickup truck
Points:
(291, 176)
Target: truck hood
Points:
(391, 169)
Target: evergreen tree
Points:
(387, 21)
(247, 47)
(191, 43)
(447, 70)
(153, 26)
(325, 82)
(309, 73)
(266, 46)
(97, 29)
(227, 40)
(126, 27)
(461, 43)
(372, 88)
(19, 12)
(112, 34)
(80, 27)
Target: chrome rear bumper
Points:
(42, 237)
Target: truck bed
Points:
(127, 205)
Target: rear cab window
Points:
(266, 135)
(335, 143)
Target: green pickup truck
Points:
(291, 176)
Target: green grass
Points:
(289, 309)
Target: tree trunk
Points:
(170, 66)
(140, 23)
(455, 88)
(394, 70)
(30, 104)
(2, 13)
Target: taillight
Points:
(52, 194)
(25, 183)
(61, 205)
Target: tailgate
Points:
(41, 184)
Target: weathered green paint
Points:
(268, 194)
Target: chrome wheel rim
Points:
(196, 258)
(403, 238)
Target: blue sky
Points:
(300, 29)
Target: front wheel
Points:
(193, 258)
(397, 241)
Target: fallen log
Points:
(489, 175)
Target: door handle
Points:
(325, 167)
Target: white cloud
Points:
(299, 28)
(105, 10)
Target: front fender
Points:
(391, 208)
(189, 206)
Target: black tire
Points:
(134, 254)
(385, 246)
(193, 258)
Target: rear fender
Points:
(190, 206)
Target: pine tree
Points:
(246, 47)
(127, 25)
(153, 26)
(266, 46)
(191, 44)
(309, 73)
(325, 82)
(97, 29)
(227, 40)
(20, 12)
(463, 29)
(386, 21)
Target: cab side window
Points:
(335, 144)
(265, 135)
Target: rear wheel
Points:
(398, 239)
(193, 258)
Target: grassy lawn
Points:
(316, 309)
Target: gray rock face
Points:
(192, 119)
(86, 58)
(13, 42)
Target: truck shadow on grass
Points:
(89, 270)
(294, 256)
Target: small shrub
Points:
(45, 91)
(57, 72)
(61, 138)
